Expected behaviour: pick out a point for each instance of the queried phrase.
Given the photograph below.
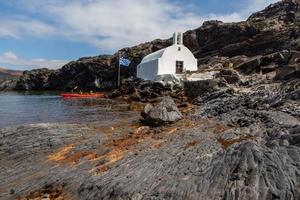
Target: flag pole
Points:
(119, 70)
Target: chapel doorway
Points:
(179, 67)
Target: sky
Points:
(50, 33)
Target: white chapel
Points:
(173, 60)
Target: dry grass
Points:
(220, 128)
(227, 143)
(51, 192)
(191, 144)
(116, 149)
(61, 154)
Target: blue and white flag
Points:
(124, 62)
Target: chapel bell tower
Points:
(178, 38)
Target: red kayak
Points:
(73, 95)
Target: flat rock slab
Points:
(65, 159)
(186, 160)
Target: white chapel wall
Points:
(148, 70)
(171, 55)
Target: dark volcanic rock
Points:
(140, 90)
(8, 84)
(263, 98)
(206, 97)
(164, 112)
(265, 64)
(288, 72)
(283, 11)
(250, 66)
(37, 79)
(198, 88)
(223, 39)
(231, 76)
(247, 170)
(251, 165)
(227, 163)
(284, 62)
(291, 67)
(95, 73)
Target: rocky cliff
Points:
(274, 29)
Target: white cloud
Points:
(21, 27)
(11, 60)
(9, 55)
(110, 25)
(114, 24)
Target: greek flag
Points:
(124, 62)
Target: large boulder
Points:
(291, 69)
(163, 113)
(231, 76)
(250, 66)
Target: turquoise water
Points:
(30, 108)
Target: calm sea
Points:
(30, 108)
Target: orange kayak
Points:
(73, 95)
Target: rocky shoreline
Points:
(233, 134)
(238, 143)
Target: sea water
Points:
(32, 108)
